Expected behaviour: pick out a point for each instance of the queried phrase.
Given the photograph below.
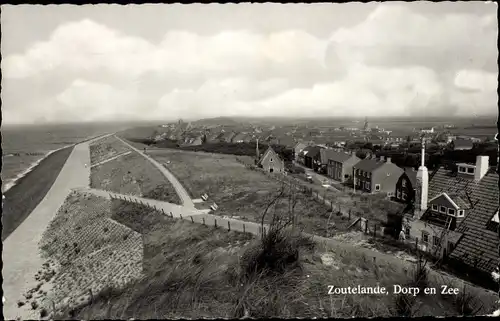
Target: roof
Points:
(331, 154)
(460, 200)
(463, 143)
(300, 145)
(311, 151)
(240, 136)
(269, 150)
(412, 175)
(478, 245)
(444, 181)
(368, 165)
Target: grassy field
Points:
(105, 149)
(193, 271)
(22, 198)
(133, 175)
(243, 193)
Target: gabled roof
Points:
(311, 151)
(331, 154)
(412, 175)
(444, 181)
(269, 150)
(368, 165)
(447, 198)
(461, 200)
(478, 245)
(300, 145)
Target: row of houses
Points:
(454, 214)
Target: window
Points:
(271, 160)
(442, 209)
(461, 169)
(434, 207)
(435, 240)
(364, 174)
(377, 187)
(425, 237)
(407, 231)
(450, 247)
(399, 194)
(346, 176)
(367, 186)
(404, 196)
(460, 213)
(451, 211)
(470, 170)
(403, 183)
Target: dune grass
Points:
(23, 198)
(106, 148)
(134, 175)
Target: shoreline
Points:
(14, 181)
(10, 183)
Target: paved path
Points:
(21, 256)
(175, 209)
(183, 194)
(111, 159)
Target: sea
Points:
(25, 146)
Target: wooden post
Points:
(244, 228)
(366, 227)
(54, 307)
(228, 226)
(375, 231)
(171, 215)
(331, 206)
(192, 219)
(180, 215)
(215, 222)
(349, 214)
(91, 296)
(203, 220)
(163, 211)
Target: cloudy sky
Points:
(109, 62)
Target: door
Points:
(271, 170)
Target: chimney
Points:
(482, 165)
(388, 160)
(422, 188)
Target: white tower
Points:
(422, 188)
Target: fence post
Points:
(192, 219)
(349, 214)
(163, 211)
(203, 220)
(375, 231)
(180, 215)
(171, 215)
(331, 206)
(243, 227)
(54, 308)
(366, 226)
(228, 226)
(215, 222)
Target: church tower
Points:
(422, 188)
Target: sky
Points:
(64, 63)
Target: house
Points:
(312, 157)
(461, 144)
(271, 162)
(458, 223)
(227, 137)
(239, 138)
(405, 186)
(339, 164)
(297, 149)
(429, 130)
(372, 175)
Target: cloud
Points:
(395, 62)
(394, 35)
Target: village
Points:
(448, 211)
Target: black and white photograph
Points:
(250, 160)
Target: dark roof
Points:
(412, 176)
(462, 143)
(368, 165)
(311, 151)
(444, 181)
(331, 154)
(478, 246)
